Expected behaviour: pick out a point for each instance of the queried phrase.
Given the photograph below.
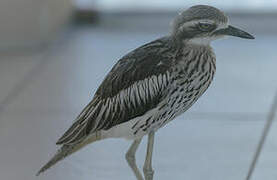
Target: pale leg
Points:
(131, 159)
(147, 168)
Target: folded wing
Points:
(135, 85)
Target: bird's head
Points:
(201, 24)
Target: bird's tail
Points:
(67, 150)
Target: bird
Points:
(150, 86)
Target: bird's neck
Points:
(195, 45)
(203, 41)
(191, 45)
(197, 41)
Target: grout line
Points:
(265, 133)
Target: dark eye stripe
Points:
(206, 26)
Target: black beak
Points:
(232, 31)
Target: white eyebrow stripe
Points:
(198, 21)
(191, 23)
(205, 21)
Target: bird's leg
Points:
(131, 159)
(147, 168)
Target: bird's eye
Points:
(205, 26)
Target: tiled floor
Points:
(42, 92)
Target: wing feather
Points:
(135, 85)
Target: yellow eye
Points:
(205, 26)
